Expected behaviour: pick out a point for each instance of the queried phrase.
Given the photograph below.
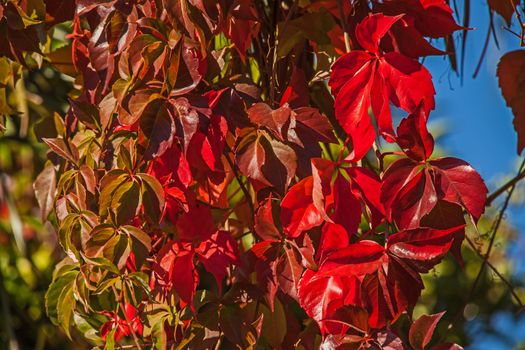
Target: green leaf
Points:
(126, 201)
(58, 312)
(274, 324)
(140, 243)
(102, 263)
(153, 197)
(108, 185)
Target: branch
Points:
(343, 24)
(289, 15)
(485, 258)
(493, 268)
(505, 187)
(241, 184)
(494, 230)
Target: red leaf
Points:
(322, 296)
(242, 24)
(333, 237)
(458, 182)
(385, 282)
(298, 213)
(511, 76)
(174, 269)
(217, 254)
(422, 248)
(308, 127)
(433, 18)
(422, 329)
(366, 186)
(157, 129)
(264, 222)
(297, 93)
(266, 254)
(407, 192)
(120, 324)
(263, 115)
(346, 209)
(262, 158)
(372, 29)
(360, 80)
(414, 138)
(504, 8)
(289, 271)
(186, 223)
(322, 173)
(411, 190)
(172, 168)
(356, 259)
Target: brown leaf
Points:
(511, 74)
(157, 129)
(45, 189)
(503, 8)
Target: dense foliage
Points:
(209, 192)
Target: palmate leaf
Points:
(384, 282)
(364, 79)
(410, 190)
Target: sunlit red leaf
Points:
(298, 212)
(360, 81)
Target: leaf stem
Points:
(348, 46)
(241, 184)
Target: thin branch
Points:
(520, 21)
(512, 182)
(485, 47)
(485, 258)
(494, 231)
(276, 46)
(493, 268)
(241, 184)
(466, 23)
(343, 25)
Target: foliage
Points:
(207, 189)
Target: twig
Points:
(485, 258)
(276, 45)
(520, 21)
(485, 47)
(466, 22)
(505, 187)
(493, 268)
(241, 184)
(494, 230)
